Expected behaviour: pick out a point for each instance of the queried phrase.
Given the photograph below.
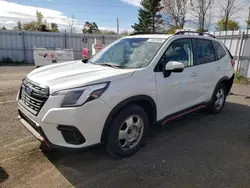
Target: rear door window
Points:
(220, 52)
(204, 51)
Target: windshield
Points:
(129, 52)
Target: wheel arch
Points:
(228, 82)
(144, 101)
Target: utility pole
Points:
(117, 22)
(248, 20)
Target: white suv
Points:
(118, 94)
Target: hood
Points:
(76, 74)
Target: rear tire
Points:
(218, 99)
(128, 131)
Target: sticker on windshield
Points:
(156, 40)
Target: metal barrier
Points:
(238, 43)
(19, 45)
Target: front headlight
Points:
(78, 96)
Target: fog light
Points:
(71, 134)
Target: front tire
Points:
(128, 131)
(218, 99)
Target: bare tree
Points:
(177, 10)
(200, 9)
(71, 22)
(228, 9)
(208, 19)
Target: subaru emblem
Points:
(28, 90)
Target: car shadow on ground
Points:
(193, 150)
(3, 175)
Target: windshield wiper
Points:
(109, 65)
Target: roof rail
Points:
(146, 33)
(194, 32)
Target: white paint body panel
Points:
(171, 94)
(177, 92)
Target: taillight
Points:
(233, 62)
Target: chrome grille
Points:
(33, 96)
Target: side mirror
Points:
(85, 60)
(173, 66)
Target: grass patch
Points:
(239, 79)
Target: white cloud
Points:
(14, 10)
(115, 29)
(11, 13)
(136, 3)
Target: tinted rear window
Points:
(204, 51)
(220, 52)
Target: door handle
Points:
(194, 74)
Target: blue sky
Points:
(104, 13)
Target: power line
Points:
(248, 20)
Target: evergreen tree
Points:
(150, 19)
(18, 27)
(54, 27)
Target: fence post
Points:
(24, 46)
(239, 53)
(225, 38)
(103, 39)
(231, 40)
(65, 40)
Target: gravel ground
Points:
(198, 150)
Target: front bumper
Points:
(88, 120)
(33, 128)
(36, 131)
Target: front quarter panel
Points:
(141, 83)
